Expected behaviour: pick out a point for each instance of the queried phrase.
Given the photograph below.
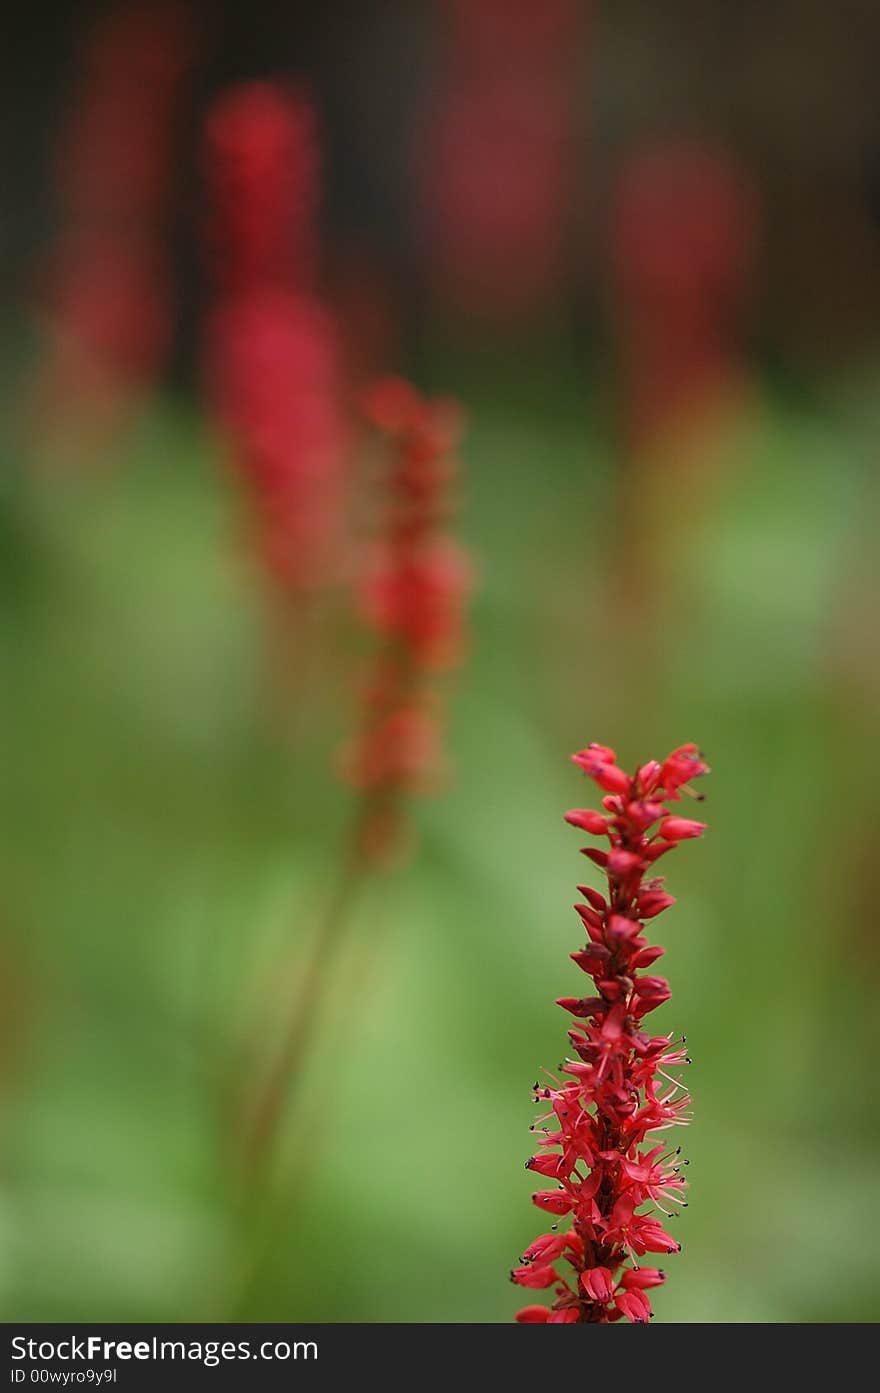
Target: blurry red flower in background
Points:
(107, 280)
(617, 1092)
(496, 166)
(262, 176)
(272, 359)
(412, 593)
(682, 239)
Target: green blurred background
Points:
(167, 845)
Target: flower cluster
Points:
(412, 594)
(597, 1136)
(272, 361)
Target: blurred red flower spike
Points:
(391, 405)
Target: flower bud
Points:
(676, 829)
(553, 1201)
(587, 820)
(598, 1283)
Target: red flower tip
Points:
(602, 771)
(615, 1096)
(536, 1277)
(646, 956)
(677, 829)
(553, 1201)
(545, 1165)
(641, 1278)
(533, 1315)
(653, 902)
(680, 767)
(596, 900)
(581, 1005)
(547, 1247)
(648, 776)
(588, 821)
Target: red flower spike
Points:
(619, 1093)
